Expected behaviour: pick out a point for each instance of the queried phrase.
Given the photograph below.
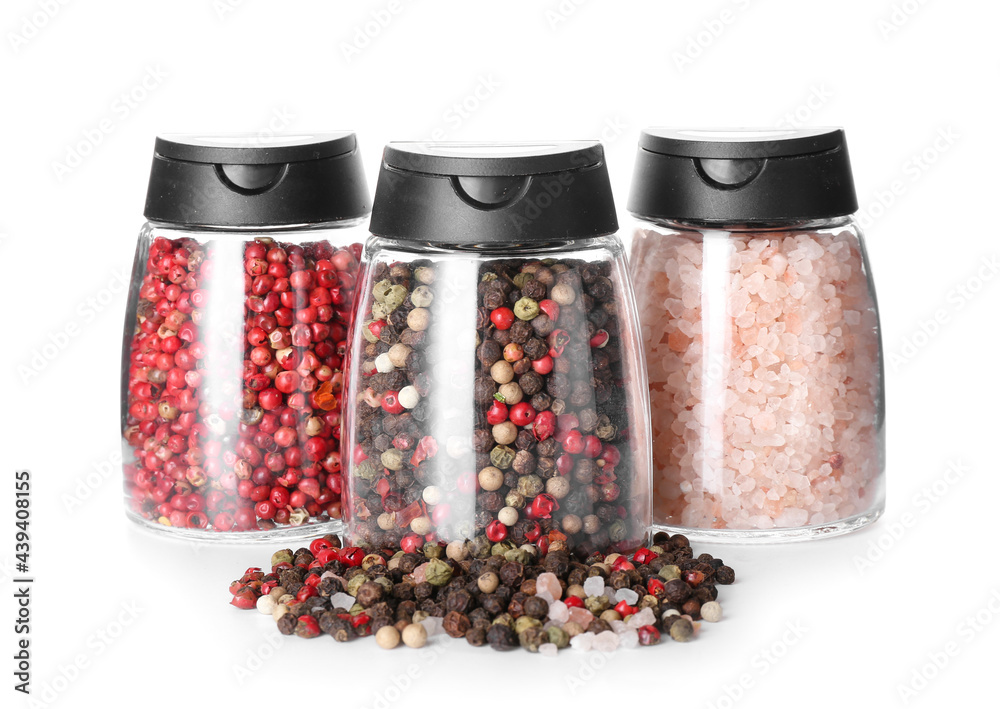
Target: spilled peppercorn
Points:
(513, 597)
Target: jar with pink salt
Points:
(761, 333)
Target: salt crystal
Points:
(643, 617)
(432, 624)
(583, 641)
(594, 586)
(618, 626)
(548, 583)
(628, 640)
(341, 600)
(558, 612)
(606, 641)
(628, 595)
(548, 650)
(545, 595)
(611, 594)
(581, 616)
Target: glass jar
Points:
(239, 308)
(496, 394)
(761, 333)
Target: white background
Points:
(120, 616)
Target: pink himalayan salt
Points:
(763, 367)
(581, 616)
(548, 583)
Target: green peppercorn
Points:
(433, 550)
(669, 573)
(392, 459)
(502, 457)
(354, 584)
(618, 530)
(421, 297)
(437, 572)
(282, 556)
(558, 636)
(526, 309)
(515, 499)
(394, 297)
(519, 555)
(525, 622)
(597, 604)
(532, 638)
(501, 548)
(530, 485)
(504, 619)
(681, 630)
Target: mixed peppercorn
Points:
(232, 413)
(504, 421)
(512, 597)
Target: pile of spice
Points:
(512, 597)
(765, 386)
(506, 420)
(233, 392)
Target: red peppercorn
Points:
(624, 609)
(497, 413)
(655, 587)
(522, 414)
(544, 426)
(390, 403)
(352, 556)
(542, 366)
(600, 339)
(558, 339)
(496, 531)
(543, 506)
(592, 446)
(649, 635)
(573, 601)
(622, 564)
(573, 443)
(502, 318)
(643, 556)
(550, 308)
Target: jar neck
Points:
(260, 229)
(752, 226)
(494, 248)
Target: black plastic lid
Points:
(488, 193)
(243, 180)
(742, 175)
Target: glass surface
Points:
(232, 376)
(766, 379)
(496, 398)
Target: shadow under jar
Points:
(241, 298)
(496, 393)
(761, 333)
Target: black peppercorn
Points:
(536, 607)
(676, 591)
(476, 636)
(724, 575)
(501, 637)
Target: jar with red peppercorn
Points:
(496, 391)
(235, 334)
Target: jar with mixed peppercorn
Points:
(238, 314)
(496, 391)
